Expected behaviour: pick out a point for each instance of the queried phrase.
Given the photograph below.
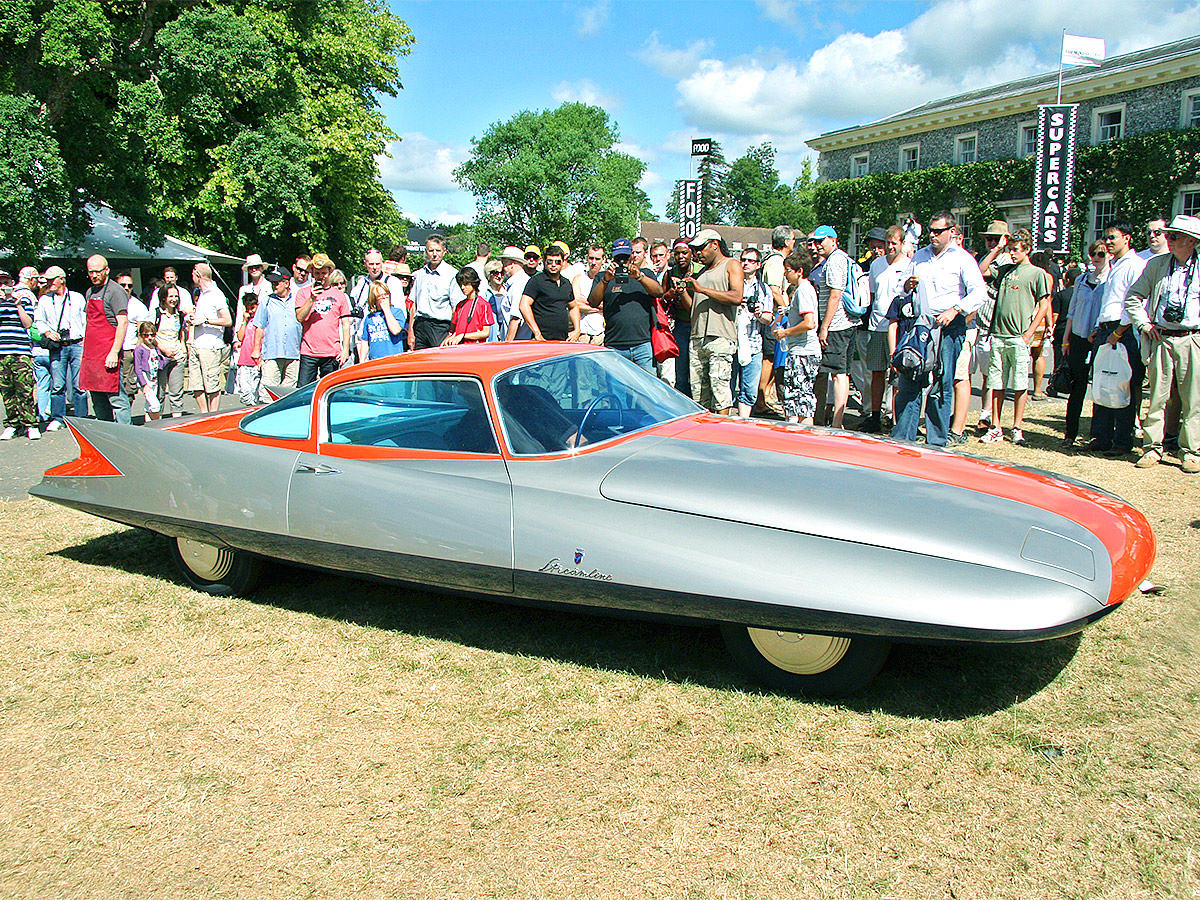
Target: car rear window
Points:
(288, 418)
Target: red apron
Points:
(97, 342)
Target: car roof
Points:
(483, 360)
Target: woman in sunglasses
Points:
(1082, 315)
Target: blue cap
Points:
(824, 231)
(622, 247)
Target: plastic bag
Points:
(1111, 374)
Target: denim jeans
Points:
(314, 367)
(744, 383)
(112, 407)
(641, 354)
(939, 406)
(41, 375)
(64, 382)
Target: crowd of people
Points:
(794, 332)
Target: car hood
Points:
(891, 494)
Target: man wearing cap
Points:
(27, 288)
(835, 330)
(533, 260)
(324, 315)
(678, 300)
(548, 302)
(103, 336)
(570, 270)
(949, 287)
(1163, 304)
(434, 295)
(60, 316)
(515, 279)
(625, 293)
(16, 363)
(277, 334)
(717, 294)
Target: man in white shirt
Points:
(591, 320)
(208, 354)
(136, 312)
(433, 297)
(1156, 239)
(61, 315)
(886, 275)
(949, 287)
(515, 279)
(171, 277)
(1164, 307)
(1112, 429)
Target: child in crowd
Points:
(473, 318)
(803, 346)
(383, 328)
(145, 367)
(249, 372)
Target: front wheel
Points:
(815, 665)
(215, 570)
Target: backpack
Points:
(917, 350)
(856, 302)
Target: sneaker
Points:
(1018, 438)
(984, 425)
(1039, 398)
(8, 434)
(1067, 445)
(993, 436)
(953, 438)
(33, 434)
(1191, 463)
(1097, 446)
(54, 425)
(1149, 459)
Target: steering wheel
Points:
(587, 412)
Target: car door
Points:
(407, 483)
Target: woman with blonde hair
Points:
(383, 327)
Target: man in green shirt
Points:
(1022, 302)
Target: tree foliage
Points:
(542, 176)
(249, 126)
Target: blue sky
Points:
(739, 71)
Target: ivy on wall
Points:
(1143, 173)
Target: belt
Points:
(1178, 332)
(72, 341)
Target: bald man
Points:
(107, 319)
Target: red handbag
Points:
(662, 341)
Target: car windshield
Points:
(288, 417)
(569, 401)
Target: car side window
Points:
(412, 414)
(289, 417)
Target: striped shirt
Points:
(14, 336)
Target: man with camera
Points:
(625, 293)
(60, 317)
(1164, 306)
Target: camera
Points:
(1173, 312)
(64, 334)
(622, 276)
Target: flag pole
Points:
(1061, 52)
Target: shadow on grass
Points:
(921, 681)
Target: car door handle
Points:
(320, 469)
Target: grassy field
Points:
(331, 738)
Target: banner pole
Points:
(1061, 51)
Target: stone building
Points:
(1135, 93)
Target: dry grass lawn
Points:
(331, 738)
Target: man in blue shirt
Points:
(277, 340)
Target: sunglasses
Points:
(1154, 232)
(933, 230)
(1099, 254)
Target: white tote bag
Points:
(1111, 374)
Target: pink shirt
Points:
(245, 357)
(322, 334)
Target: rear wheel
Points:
(815, 665)
(213, 569)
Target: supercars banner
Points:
(1053, 179)
(689, 209)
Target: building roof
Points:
(1178, 59)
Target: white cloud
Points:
(669, 61)
(591, 17)
(781, 11)
(584, 91)
(419, 163)
(645, 154)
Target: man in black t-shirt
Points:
(548, 302)
(624, 292)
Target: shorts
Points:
(796, 388)
(876, 357)
(835, 360)
(207, 369)
(711, 370)
(1010, 362)
(962, 367)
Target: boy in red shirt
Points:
(472, 319)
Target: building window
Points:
(1108, 124)
(1189, 200)
(962, 217)
(1191, 110)
(964, 148)
(855, 237)
(1104, 212)
(860, 164)
(910, 157)
(1026, 139)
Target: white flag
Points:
(1082, 51)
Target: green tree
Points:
(541, 176)
(250, 126)
(713, 172)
